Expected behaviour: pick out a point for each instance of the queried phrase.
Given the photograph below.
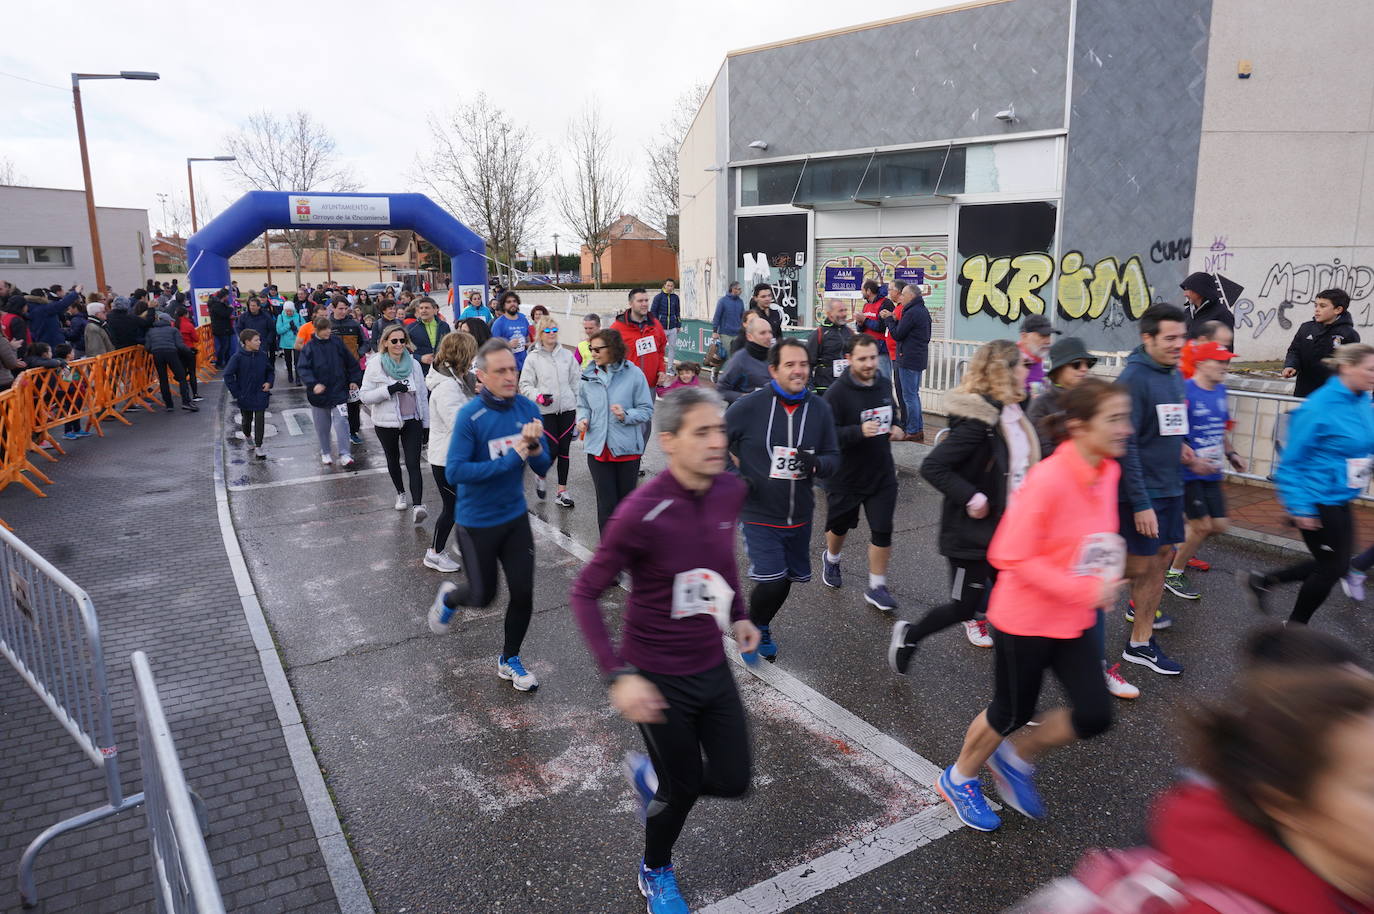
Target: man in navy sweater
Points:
(494, 436)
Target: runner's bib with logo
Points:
(497, 447)
(1173, 418)
(785, 464)
(702, 591)
(645, 345)
(1101, 555)
(839, 366)
(879, 414)
(1357, 472)
(1211, 455)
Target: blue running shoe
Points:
(967, 800)
(660, 887)
(1152, 656)
(1016, 787)
(830, 573)
(440, 613)
(879, 597)
(768, 648)
(639, 771)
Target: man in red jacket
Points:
(877, 319)
(646, 341)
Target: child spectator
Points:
(248, 377)
(72, 388)
(687, 376)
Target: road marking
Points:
(323, 477)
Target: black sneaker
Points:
(189, 407)
(1255, 589)
(899, 653)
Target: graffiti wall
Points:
(772, 249)
(698, 294)
(879, 257)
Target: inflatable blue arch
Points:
(208, 250)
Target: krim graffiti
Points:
(1009, 287)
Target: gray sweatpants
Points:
(335, 417)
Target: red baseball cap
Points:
(1209, 351)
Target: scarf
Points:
(495, 402)
(757, 351)
(789, 399)
(397, 371)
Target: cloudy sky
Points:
(371, 71)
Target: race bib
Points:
(497, 447)
(700, 591)
(1101, 555)
(645, 345)
(785, 464)
(354, 396)
(839, 365)
(1173, 418)
(1212, 455)
(341, 409)
(879, 414)
(517, 341)
(1357, 471)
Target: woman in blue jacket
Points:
(288, 322)
(1326, 465)
(614, 411)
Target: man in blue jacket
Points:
(667, 310)
(494, 436)
(912, 334)
(44, 324)
(729, 316)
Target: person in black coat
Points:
(912, 334)
(1315, 340)
(1204, 302)
(829, 344)
(221, 326)
(121, 325)
(167, 347)
(329, 373)
(248, 378)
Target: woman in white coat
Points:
(550, 378)
(394, 386)
(451, 385)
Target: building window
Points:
(59, 256)
(386, 243)
(629, 227)
(915, 173)
(45, 255)
(13, 255)
(912, 173)
(765, 185)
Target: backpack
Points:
(6, 323)
(1135, 881)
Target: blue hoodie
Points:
(1152, 465)
(486, 472)
(1331, 435)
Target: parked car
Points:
(377, 288)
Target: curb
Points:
(344, 877)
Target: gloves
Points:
(807, 462)
(397, 387)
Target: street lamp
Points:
(86, 161)
(191, 184)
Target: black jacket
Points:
(1314, 342)
(264, 323)
(972, 458)
(912, 334)
(221, 317)
(1211, 309)
(865, 463)
(328, 362)
(826, 346)
(419, 336)
(122, 327)
(165, 339)
(745, 372)
(774, 318)
(757, 423)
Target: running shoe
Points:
(563, 500)
(1152, 656)
(1016, 787)
(1162, 619)
(440, 561)
(72, 436)
(1353, 585)
(968, 802)
(260, 453)
(899, 652)
(541, 488)
(418, 514)
(1116, 683)
(190, 407)
(511, 668)
(639, 771)
(83, 434)
(1256, 590)
(881, 598)
(355, 438)
(830, 573)
(976, 630)
(659, 885)
(1177, 584)
(768, 648)
(1197, 564)
(401, 501)
(197, 399)
(347, 462)
(326, 459)
(440, 613)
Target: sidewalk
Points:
(132, 519)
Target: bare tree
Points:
(661, 194)
(592, 196)
(179, 212)
(290, 153)
(484, 168)
(9, 173)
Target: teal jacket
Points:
(621, 383)
(1333, 428)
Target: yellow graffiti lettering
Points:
(983, 277)
(1073, 286)
(1127, 283)
(1029, 273)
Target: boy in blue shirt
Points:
(1206, 451)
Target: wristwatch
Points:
(615, 674)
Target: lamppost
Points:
(556, 271)
(86, 161)
(191, 184)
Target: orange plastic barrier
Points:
(205, 353)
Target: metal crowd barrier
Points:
(183, 879)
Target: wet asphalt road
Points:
(460, 794)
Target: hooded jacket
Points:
(1331, 434)
(122, 327)
(746, 371)
(555, 373)
(76, 332)
(866, 463)
(621, 383)
(263, 322)
(287, 325)
(729, 316)
(1150, 467)
(164, 339)
(1313, 342)
(974, 457)
(327, 362)
(757, 426)
(44, 324)
(447, 396)
(1211, 308)
(244, 376)
(667, 310)
(912, 333)
(644, 344)
(221, 316)
(1205, 841)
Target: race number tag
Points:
(785, 464)
(1101, 555)
(1173, 418)
(517, 341)
(645, 345)
(497, 447)
(341, 409)
(879, 414)
(354, 396)
(1357, 471)
(839, 365)
(700, 591)
(1211, 455)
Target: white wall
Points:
(1284, 202)
(47, 216)
(702, 265)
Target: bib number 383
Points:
(702, 591)
(785, 464)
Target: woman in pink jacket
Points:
(1059, 558)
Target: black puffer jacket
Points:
(1313, 342)
(972, 458)
(165, 339)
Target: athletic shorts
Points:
(1203, 498)
(1169, 514)
(842, 510)
(778, 552)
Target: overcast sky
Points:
(371, 71)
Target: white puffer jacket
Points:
(446, 397)
(555, 373)
(374, 393)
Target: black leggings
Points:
(613, 480)
(704, 715)
(512, 545)
(355, 425)
(289, 357)
(443, 524)
(253, 425)
(1019, 665)
(188, 365)
(1330, 547)
(393, 440)
(766, 599)
(558, 429)
(970, 582)
(163, 363)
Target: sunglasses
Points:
(1081, 364)
(1028, 364)
(397, 341)
(596, 348)
(550, 330)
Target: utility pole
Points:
(556, 264)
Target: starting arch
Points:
(208, 250)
